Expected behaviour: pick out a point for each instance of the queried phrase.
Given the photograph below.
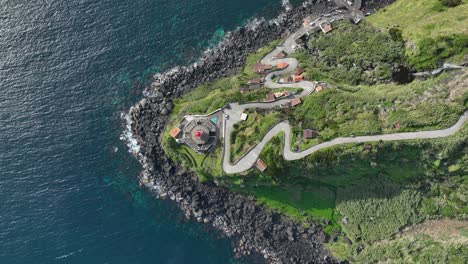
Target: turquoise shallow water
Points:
(68, 69)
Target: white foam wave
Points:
(127, 135)
(286, 4)
(69, 254)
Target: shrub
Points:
(431, 52)
(451, 3)
(356, 52)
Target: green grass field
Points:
(377, 190)
(420, 19)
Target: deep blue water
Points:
(68, 69)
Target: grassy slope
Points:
(418, 19)
(250, 132)
(378, 191)
(417, 249)
(433, 33)
(301, 202)
(360, 54)
(368, 110)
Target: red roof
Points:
(175, 131)
(318, 88)
(326, 27)
(307, 20)
(281, 55)
(298, 71)
(270, 97)
(260, 67)
(282, 65)
(296, 101)
(261, 165)
(255, 81)
(298, 78)
(309, 133)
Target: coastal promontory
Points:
(333, 133)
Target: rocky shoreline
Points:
(255, 229)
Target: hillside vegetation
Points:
(351, 54)
(433, 31)
(362, 194)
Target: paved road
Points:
(249, 160)
(235, 111)
(287, 46)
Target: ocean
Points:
(68, 70)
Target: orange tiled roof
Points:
(296, 101)
(298, 78)
(261, 165)
(282, 65)
(175, 131)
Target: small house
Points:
(282, 65)
(255, 81)
(281, 55)
(318, 88)
(298, 71)
(309, 133)
(278, 95)
(326, 27)
(307, 20)
(244, 116)
(261, 165)
(270, 97)
(296, 101)
(175, 132)
(298, 78)
(261, 68)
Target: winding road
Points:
(251, 157)
(235, 110)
